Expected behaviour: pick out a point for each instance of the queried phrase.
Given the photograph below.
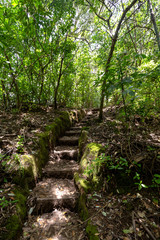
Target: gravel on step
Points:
(66, 152)
(57, 225)
(53, 192)
(68, 140)
(76, 128)
(73, 132)
(61, 168)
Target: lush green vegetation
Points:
(80, 53)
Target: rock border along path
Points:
(53, 201)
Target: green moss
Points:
(92, 231)
(82, 209)
(90, 169)
(81, 182)
(94, 147)
(67, 119)
(13, 226)
(85, 128)
(27, 171)
(43, 153)
(14, 223)
(82, 142)
(28, 163)
(21, 204)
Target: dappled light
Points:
(79, 119)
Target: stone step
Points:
(95, 110)
(66, 152)
(80, 125)
(51, 193)
(73, 132)
(57, 225)
(68, 140)
(84, 121)
(76, 128)
(61, 168)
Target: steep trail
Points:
(54, 199)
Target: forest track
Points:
(54, 200)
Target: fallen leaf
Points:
(104, 214)
(109, 237)
(141, 214)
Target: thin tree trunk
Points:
(122, 91)
(154, 23)
(58, 83)
(114, 40)
(14, 83)
(4, 95)
(42, 84)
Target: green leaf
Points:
(157, 181)
(126, 231)
(157, 175)
(144, 186)
(132, 93)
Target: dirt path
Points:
(52, 202)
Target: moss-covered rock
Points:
(13, 226)
(83, 186)
(14, 223)
(91, 168)
(27, 172)
(92, 231)
(82, 143)
(82, 209)
(82, 182)
(88, 179)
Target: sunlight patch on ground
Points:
(58, 217)
(60, 192)
(155, 137)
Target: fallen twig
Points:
(134, 226)
(91, 216)
(146, 229)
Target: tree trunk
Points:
(4, 95)
(14, 83)
(58, 82)
(154, 23)
(114, 40)
(42, 84)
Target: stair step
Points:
(70, 141)
(73, 133)
(51, 193)
(61, 168)
(58, 225)
(66, 152)
(84, 121)
(95, 110)
(76, 128)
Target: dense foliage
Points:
(80, 53)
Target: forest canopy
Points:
(84, 53)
